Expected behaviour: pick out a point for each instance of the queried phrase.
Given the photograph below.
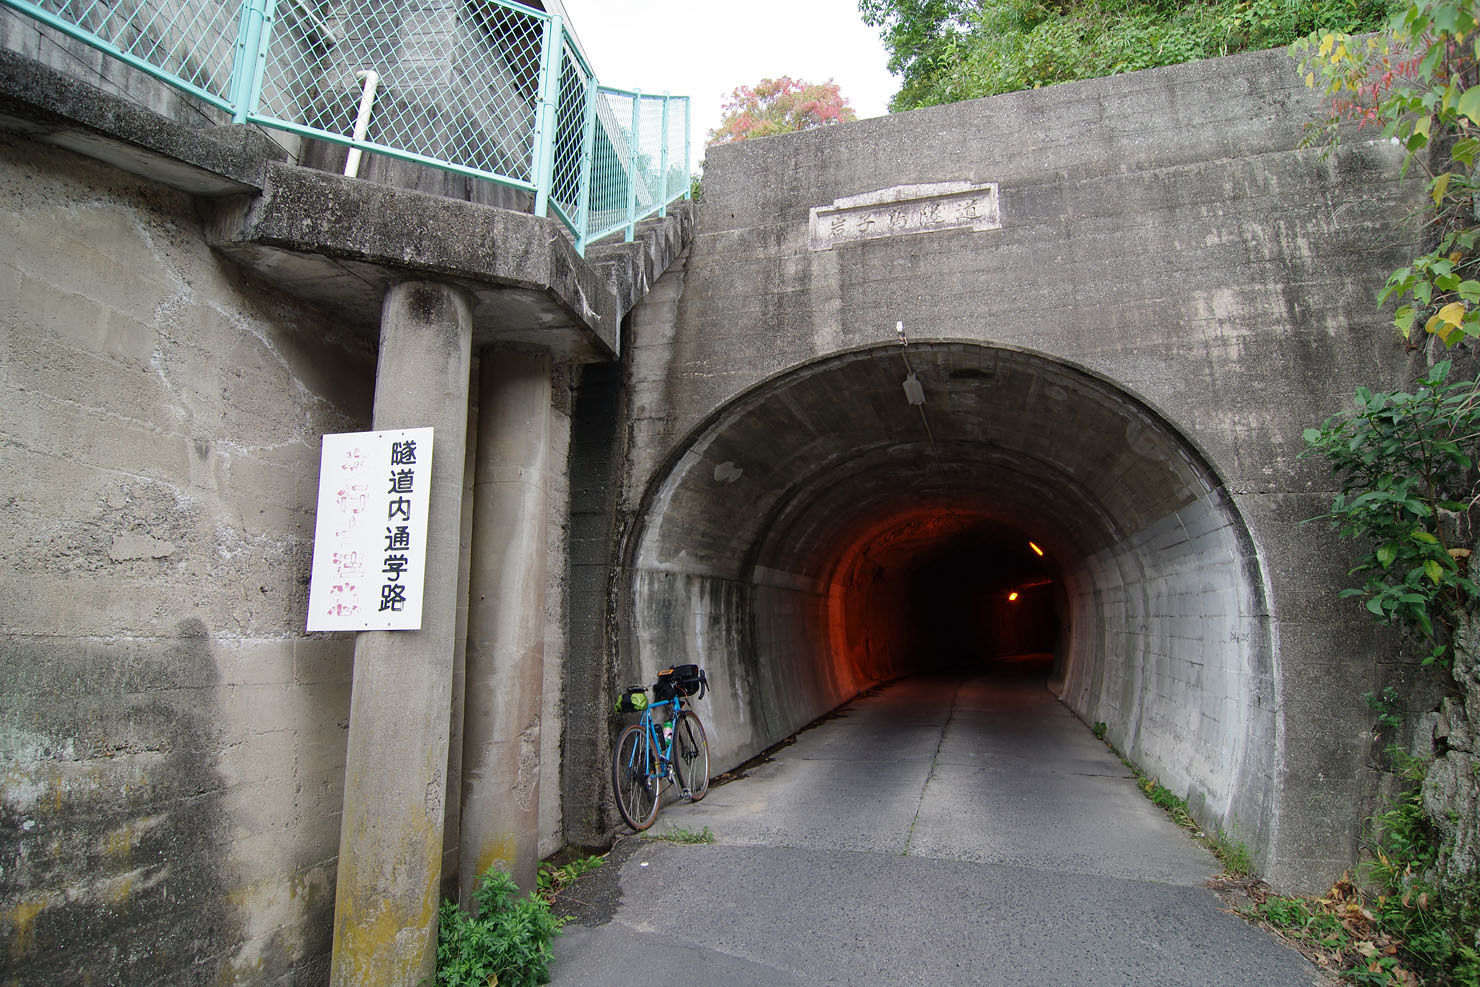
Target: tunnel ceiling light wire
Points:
(914, 392)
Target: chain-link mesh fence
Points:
(459, 85)
(190, 45)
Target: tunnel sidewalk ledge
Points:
(342, 241)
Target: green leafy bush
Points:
(1402, 462)
(508, 942)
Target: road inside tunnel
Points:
(942, 829)
(832, 530)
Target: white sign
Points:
(370, 538)
(905, 210)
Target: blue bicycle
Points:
(665, 746)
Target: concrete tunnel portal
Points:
(825, 532)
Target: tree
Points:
(948, 50)
(923, 37)
(780, 106)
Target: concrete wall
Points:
(172, 746)
(1207, 290)
(172, 742)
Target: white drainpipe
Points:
(371, 79)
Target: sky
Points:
(703, 49)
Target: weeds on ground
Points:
(508, 941)
(1392, 927)
(553, 879)
(1231, 853)
(679, 834)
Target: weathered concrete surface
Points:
(163, 414)
(506, 627)
(395, 786)
(171, 742)
(50, 107)
(1121, 371)
(937, 832)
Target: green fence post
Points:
(588, 154)
(543, 166)
(254, 31)
(688, 151)
(663, 162)
(632, 148)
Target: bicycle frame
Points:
(654, 742)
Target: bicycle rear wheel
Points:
(691, 755)
(635, 779)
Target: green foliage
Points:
(1302, 919)
(924, 38)
(948, 50)
(1397, 928)
(1437, 932)
(1402, 462)
(508, 942)
(1420, 82)
(1386, 706)
(553, 878)
(1099, 730)
(1233, 854)
(679, 834)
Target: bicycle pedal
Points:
(687, 794)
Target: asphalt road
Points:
(940, 833)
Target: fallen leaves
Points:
(1337, 931)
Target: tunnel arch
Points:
(823, 532)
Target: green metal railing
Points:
(487, 88)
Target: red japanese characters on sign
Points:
(369, 557)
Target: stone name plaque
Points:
(903, 210)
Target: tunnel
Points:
(949, 508)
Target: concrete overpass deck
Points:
(937, 831)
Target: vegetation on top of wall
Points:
(949, 50)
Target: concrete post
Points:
(506, 620)
(390, 844)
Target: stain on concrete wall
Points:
(171, 742)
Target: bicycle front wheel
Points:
(691, 755)
(635, 779)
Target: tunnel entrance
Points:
(835, 528)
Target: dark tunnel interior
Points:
(827, 532)
(977, 598)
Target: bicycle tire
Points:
(691, 755)
(635, 780)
